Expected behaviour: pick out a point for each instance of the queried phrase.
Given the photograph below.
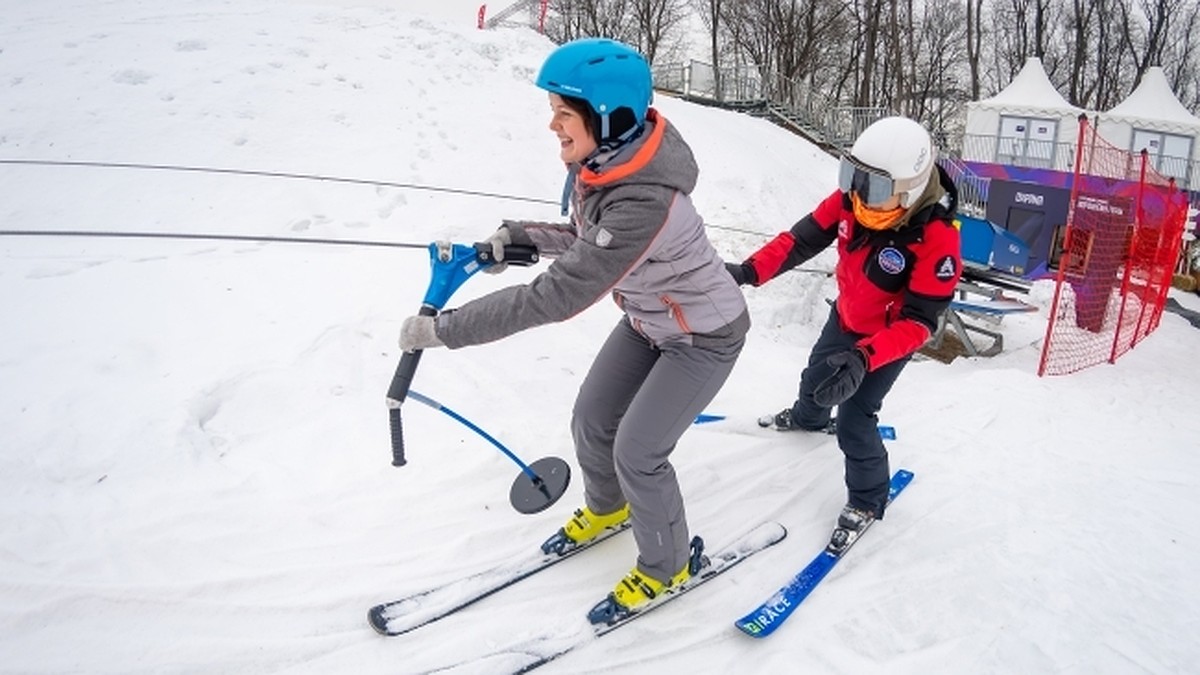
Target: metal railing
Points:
(789, 100)
(972, 188)
(792, 104)
(531, 6)
(1059, 156)
(1018, 152)
(844, 124)
(696, 79)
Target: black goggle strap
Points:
(606, 150)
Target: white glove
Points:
(418, 332)
(499, 240)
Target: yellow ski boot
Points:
(636, 590)
(583, 527)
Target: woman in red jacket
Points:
(898, 264)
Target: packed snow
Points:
(195, 471)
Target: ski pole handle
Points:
(452, 265)
(398, 391)
(520, 255)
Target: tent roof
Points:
(1153, 101)
(1031, 90)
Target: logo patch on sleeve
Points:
(603, 238)
(891, 261)
(946, 268)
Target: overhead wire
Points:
(206, 236)
(273, 174)
(269, 174)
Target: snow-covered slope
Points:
(194, 466)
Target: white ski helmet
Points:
(895, 155)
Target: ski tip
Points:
(887, 432)
(766, 534)
(903, 476)
(704, 418)
(375, 616)
(751, 628)
(763, 621)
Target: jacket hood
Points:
(939, 200)
(658, 157)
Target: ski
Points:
(538, 651)
(410, 613)
(886, 431)
(769, 615)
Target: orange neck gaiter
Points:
(872, 219)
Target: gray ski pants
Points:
(632, 408)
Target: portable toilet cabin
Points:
(1153, 119)
(1027, 124)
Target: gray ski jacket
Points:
(634, 235)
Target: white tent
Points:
(1027, 124)
(1151, 117)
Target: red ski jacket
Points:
(892, 284)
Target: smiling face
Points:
(574, 138)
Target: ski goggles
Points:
(873, 186)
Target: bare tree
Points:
(974, 44)
(937, 50)
(655, 20)
(1180, 57)
(710, 13)
(1145, 32)
(574, 19)
(1021, 32)
(869, 17)
(1106, 76)
(752, 32)
(1082, 20)
(924, 58)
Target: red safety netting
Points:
(1115, 256)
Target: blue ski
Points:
(769, 615)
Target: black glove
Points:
(742, 273)
(848, 370)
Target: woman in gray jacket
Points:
(635, 235)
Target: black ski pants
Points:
(867, 471)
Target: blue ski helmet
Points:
(609, 75)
